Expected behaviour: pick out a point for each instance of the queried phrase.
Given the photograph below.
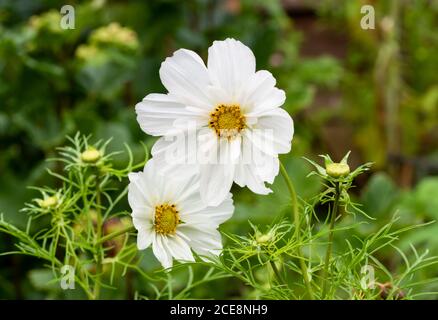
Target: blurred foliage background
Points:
(374, 92)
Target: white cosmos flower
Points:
(169, 214)
(233, 111)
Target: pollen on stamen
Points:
(227, 120)
(166, 219)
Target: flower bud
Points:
(337, 170)
(264, 238)
(91, 155)
(48, 202)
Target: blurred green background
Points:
(374, 92)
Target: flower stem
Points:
(98, 242)
(296, 219)
(115, 234)
(333, 214)
(276, 272)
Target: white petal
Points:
(247, 175)
(279, 124)
(179, 249)
(260, 94)
(203, 240)
(268, 168)
(161, 251)
(182, 183)
(230, 65)
(262, 168)
(145, 238)
(155, 180)
(261, 141)
(217, 175)
(159, 114)
(212, 216)
(190, 204)
(140, 192)
(235, 146)
(207, 147)
(181, 149)
(216, 182)
(142, 220)
(186, 78)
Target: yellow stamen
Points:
(227, 120)
(166, 219)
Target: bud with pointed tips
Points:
(48, 202)
(337, 170)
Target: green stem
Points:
(115, 234)
(98, 242)
(276, 272)
(333, 214)
(296, 219)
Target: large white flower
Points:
(169, 214)
(232, 110)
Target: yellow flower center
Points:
(166, 219)
(227, 120)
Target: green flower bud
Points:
(337, 170)
(91, 155)
(48, 202)
(263, 238)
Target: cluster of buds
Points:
(114, 34)
(48, 21)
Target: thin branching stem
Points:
(297, 235)
(278, 276)
(333, 214)
(115, 234)
(99, 225)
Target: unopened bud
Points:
(91, 155)
(263, 239)
(337, 170)
(48, 202)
